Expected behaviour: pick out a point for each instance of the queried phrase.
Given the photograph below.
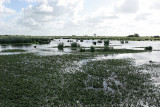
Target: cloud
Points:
(142, 16)
(127, 6)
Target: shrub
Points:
(82, 50)
(99, 41)
(94, 43)
(81, 40)
(122, 41)
(106, 43)
(75, 44)
(92, 49)
(61, 46)
(148, 48)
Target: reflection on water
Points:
(50, 49)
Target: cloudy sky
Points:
(80, 17)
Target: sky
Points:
(80, 17)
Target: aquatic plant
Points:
(75, 44)
(81, 40)
(149, 48)
(61, 46)
(106, 43)
(99, 41)
(94, 43)
(92, 49)
(82, 50)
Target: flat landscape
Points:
(79, 71)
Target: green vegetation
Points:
(81, 38)
(25, 40)
(82, 50)
(92, 49)
(148, 48)
(14, 50)
(30, 80)
(106, 43)
(75, 44)
(60, 46)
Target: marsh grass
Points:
(92, 49)
(75, 44)
(25, 40)
(60, 46)
(14, 50)
(30, 80)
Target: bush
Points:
(81, 40)
(61, 46)
(82, 50)
(122, 41)
(106, 43)
(92, 49)
(99, 41)
(149, 48)
(94, 43)
(75, 44)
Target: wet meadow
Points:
(88, 73)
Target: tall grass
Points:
(75, 44)
(92, 49)
(60, 46)
(14, 40)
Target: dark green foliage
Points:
(92, 49)
(149, 48)
(16, 40)
(94, 43)
(99, 41)
(106, 43)
(82, 50)
(107, 48)
(47, 84)
(75, 44)
(135, 35)
(14, 50)
(122, 41)
(81, 40)
(60, 46)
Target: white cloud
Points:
(67, 17)
(127, 6)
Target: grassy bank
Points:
(144, 38)
(24, 40)
(14, 50)
(30, 80)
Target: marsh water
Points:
(138, 58)
(51, 49)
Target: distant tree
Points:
(135, 35)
